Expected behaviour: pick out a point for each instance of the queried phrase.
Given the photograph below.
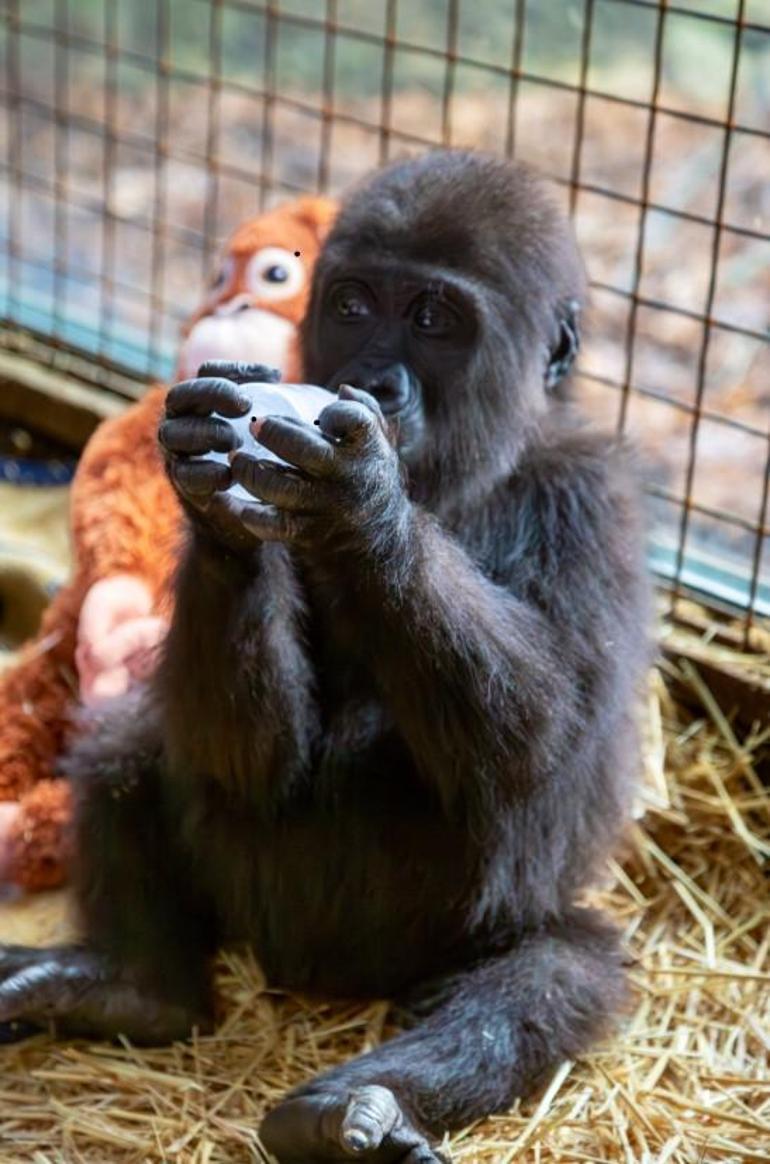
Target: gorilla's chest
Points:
(354, 717)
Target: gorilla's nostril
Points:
(390, 397)
(388, 402)
(392, 387)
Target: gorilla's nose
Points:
(391, 387)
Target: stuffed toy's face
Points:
(259, 294)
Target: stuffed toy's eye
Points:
(274, 273)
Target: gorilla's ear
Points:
(563, 354)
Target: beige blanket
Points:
(34, 560)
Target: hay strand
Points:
(686, 1080)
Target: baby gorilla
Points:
(391, 740)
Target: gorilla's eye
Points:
(350, 304)
(433, 318)
(274, 273)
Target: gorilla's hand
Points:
(190, 431)
(342, 486)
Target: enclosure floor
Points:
(685, 1080)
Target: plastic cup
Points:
(298, 401)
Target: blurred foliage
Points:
(697, 53)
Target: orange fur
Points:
(125, 520)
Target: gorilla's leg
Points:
(481, 1038)
(143, 970)
(77, 991)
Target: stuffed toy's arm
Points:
(35, 837)
(125, 525)
(36, 696)
(102, 630)
(125, 517)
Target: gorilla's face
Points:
(448, 289)
(400, 332)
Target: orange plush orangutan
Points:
(101, 630)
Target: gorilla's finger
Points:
(348, 392)
(424, 1154)
(240, 373)
(204, 395)
(350, 421)
(220, 513)
(200, 478)
(302, 445)
(39, 989)
(371, 1114)
(329, 1126)
(16, 1030)
(272, 483)
(14, 958)
(270, 524)
(197, 434)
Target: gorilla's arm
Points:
(468, 670)
(474, 671)
(237, 616)
(482, 682)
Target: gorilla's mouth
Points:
(399, 395)
(393, 385)
(408, 427)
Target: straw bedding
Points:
(685, 1080)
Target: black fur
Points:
(391, 745)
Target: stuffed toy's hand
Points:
(9, 813)
(118, 637)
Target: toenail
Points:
(356, 1140)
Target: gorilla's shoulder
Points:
(581, 480)
(565, 453)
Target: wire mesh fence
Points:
(138, 133)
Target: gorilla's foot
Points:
(336, 1124)
(74, 991)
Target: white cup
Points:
(298, 401)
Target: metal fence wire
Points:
(138, 133)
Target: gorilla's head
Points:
(449, 288)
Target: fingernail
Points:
(356, 1140)
(256, 425)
